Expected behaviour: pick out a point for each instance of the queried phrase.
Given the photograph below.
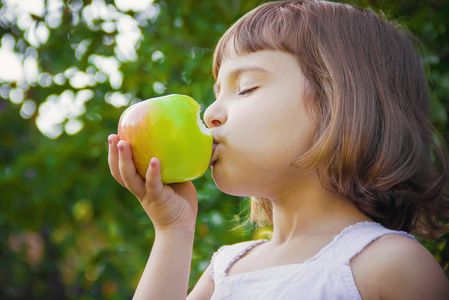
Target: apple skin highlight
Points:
(169, 128)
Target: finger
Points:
(153, 180)
(132, 180)
(113, 159)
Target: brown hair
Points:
(373, 143)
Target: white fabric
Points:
(325, 276)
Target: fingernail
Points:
(152, 164)
(119, 147)
(109, 141)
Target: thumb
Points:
(153, 179)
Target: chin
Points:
(224, 185)
(231, 185)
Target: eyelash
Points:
(248, 91)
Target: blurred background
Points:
(68, 69)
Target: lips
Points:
(214, 157)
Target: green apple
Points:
(169, 128)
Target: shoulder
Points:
(220, 262)
(397, 267)
(236, 250)
(204, 288)
(226, 255)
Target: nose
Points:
(215, 115)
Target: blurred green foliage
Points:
(67, 229)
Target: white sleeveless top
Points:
(325, 276)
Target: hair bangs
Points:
(264, 29)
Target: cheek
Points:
(259, 132)
(251, 121)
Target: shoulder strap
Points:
(352, 240)
(225, 256)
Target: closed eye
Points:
(248, 91)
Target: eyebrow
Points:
(235, 73)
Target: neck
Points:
(309, 209)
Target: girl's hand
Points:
(170, 207)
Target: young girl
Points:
(321, 116)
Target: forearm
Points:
(166, 275)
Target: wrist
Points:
(175, 231)
(174, 241)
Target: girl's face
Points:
(260, 124)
